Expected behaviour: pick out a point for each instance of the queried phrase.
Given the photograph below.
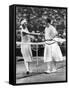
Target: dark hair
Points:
(48, 20)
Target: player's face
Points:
(25, 24)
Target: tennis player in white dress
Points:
(52, 51)
(25, 47)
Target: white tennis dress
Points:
(25, 47)
(52, 50)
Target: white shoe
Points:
(48, 71)
(54, 70)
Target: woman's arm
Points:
(31, 36)
(54, 33)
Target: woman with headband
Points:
(25, 47)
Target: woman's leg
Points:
(48, 67)
(48, 58)
(53, 66)
(26, 65)
(55, 56)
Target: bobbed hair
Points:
(48, 20)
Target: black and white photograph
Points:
(41, 44)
